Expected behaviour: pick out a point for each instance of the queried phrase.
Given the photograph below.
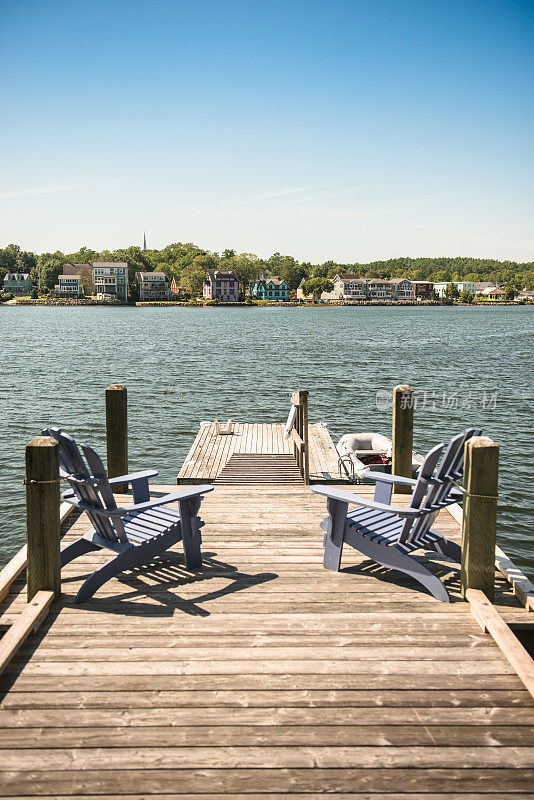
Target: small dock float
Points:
(262, 675)
(212, 453)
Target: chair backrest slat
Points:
(421, 488)
(442, 488)
(91, 489)
(99, 473)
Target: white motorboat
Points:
(359, 453)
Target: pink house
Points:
(221, 284)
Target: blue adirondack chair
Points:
(389, 534)
(136, 533)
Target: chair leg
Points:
(136, 556)
(75, 549)
(333, 539)
(448, 548)
(191, 538)
(390, 556)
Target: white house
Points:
(467, 286)
(347, 287)
(110, 280)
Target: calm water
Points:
(184, 365)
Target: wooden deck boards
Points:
(210, 453)
(263, 675)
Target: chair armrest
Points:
(355, 499)
(385, 477)
(134, 476)
(139, 481)
(173, 497)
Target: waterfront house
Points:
(459, 286)
(493, 293)
(176, 289)
(441, 287)
(152, 285)
(70, 283)
(270, 289)
(422, 290)
(526, 296)
(110, 280)
(221, 284)
(481, 285)
(379, 289)
(18, 283)
(347, 287)
(467, 286)
(402, 289)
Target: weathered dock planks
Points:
(210, 453)
(263, 675)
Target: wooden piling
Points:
(117, 434)
(42, 516)
(402, 435)
(481, 467)
(300, 434)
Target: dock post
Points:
(402, 435)
(117, 434)
(305, 438)
(481, 468)
(301, 440)
(42, 516)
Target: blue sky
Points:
(347, 130)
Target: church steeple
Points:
(144, 240)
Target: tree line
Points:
(188, 264)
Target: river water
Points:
(468, 366)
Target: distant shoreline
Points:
(69, 303)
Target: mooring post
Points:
(402, 435)
(481, 469)
(305, 437)
(42, 516)
(301, 442)
(117, 434)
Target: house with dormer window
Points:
(18, 283)
(270, 289)
(222, 285)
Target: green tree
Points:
(83, 256)
(451, 293)
(292, 272)
(316, 286)
(511, 292)
(49, 267)
(247, 267)
(195, 273)
(466, 297)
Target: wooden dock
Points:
(263, 675)
(210, 452)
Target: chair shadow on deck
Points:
(157, 582)
(445, 569)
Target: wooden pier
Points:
(210, 453)
(263, 675)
